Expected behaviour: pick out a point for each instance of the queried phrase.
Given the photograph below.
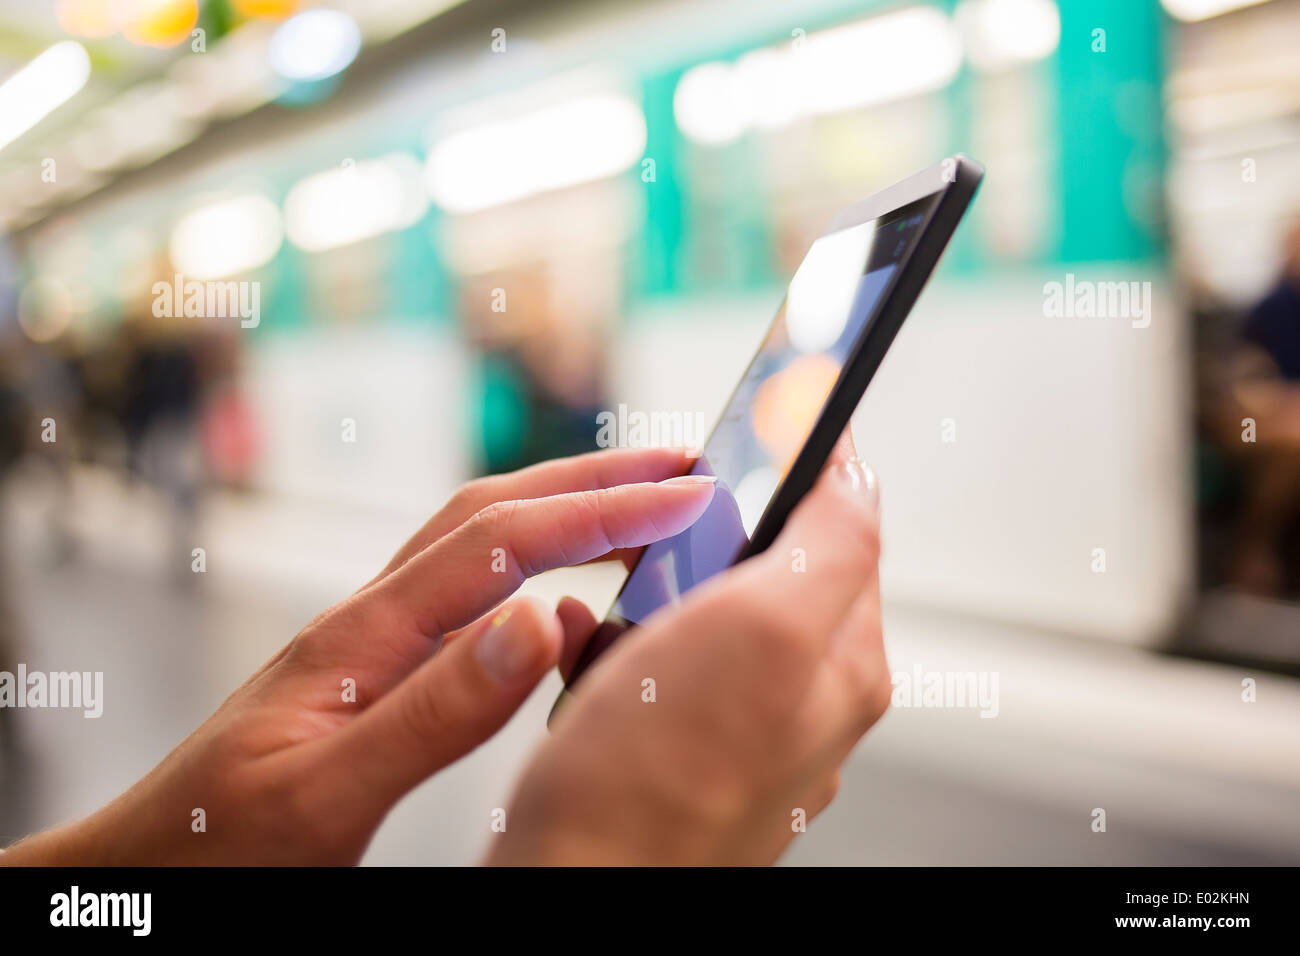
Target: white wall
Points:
(1072, 434)
(406, 390)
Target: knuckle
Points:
(495, 517)
(364, 615)
(863, 529)
(493, 524)
(473, 496)
(868, 687)
(423, 714)
(875, 691)
(829, 790)
(317, 642)
(598, 506)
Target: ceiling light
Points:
(314, 45)
(41, 87)
(574, 141)
(226, 237)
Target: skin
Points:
(766, 676)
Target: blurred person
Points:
(160, 419)
(228, 427)
(540, 372)
(1273, 326)
(51, 393)
(40, 404)
(766, 680)
(13, 425)
(1262, 379)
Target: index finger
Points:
(484, 561)
(587, 472)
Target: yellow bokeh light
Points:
(268, 9)
(160, 23)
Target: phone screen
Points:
(829, 305)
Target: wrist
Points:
(650, 830)
(73, 844)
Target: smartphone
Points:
(842, 309)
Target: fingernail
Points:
(691, 480)
(505, 652)
(862, 479)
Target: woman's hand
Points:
(301, 764)
(763, 680)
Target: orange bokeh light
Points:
(89, 19)
(787, 404)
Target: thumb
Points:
(450, 704)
